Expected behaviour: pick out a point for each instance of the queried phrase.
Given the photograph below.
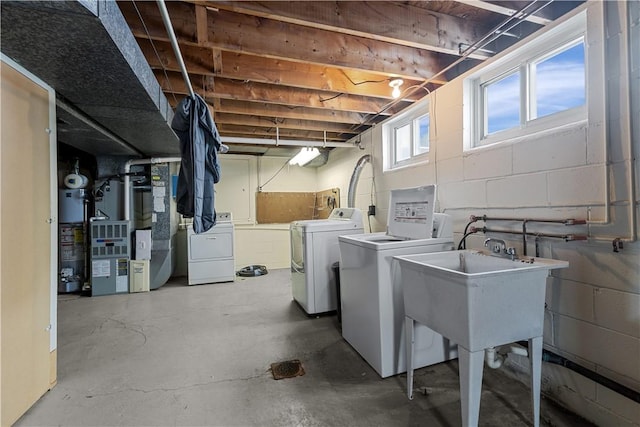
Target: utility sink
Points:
(477, 300)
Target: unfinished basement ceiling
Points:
(319, 70)
(288, 71)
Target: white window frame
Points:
(520, 59)
(411, 118)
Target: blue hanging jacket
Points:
(199, 168)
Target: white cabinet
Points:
(210, 255)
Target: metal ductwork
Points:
(355, 176)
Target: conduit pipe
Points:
(565, 237)
(633, 219)
(127, 171)
(569, 221)
(353, 182)
(520, 17)
(285, 142)
(174, 43)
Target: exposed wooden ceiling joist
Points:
(392, 22)
(239, 66)
(314, 70)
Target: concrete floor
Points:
(200, 355)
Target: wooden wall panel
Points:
(286, 207)
(26, 370)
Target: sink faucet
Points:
(499, 247)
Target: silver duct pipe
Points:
(355, 176)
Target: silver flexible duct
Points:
(353, 183)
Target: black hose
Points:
(556, 359)
(548, 356)
(463, 241)
(252, 270)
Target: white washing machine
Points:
(210, 254)
(372, 305)
(314, 249)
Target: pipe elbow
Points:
(493, 359)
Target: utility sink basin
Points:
(478, 301)
(475, 299)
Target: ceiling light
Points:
(395, 84)
(305, 155)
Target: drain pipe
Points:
(353, 182)
(127, 170)
(495, 357)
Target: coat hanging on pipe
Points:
(199, 168)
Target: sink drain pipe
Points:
(495, 357)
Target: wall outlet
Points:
(372, 210)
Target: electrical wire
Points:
(519, 16)
(333, 97)
(274, 175)
(364, 81)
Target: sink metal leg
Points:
(535, 363)
(409, 342)
(470, 365)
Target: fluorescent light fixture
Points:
(305, 155)
(395, 84)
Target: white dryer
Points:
(210, 254)
(314, 249)
(372, 305)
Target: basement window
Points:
(406, 138)
(539, 86)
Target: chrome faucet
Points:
(499, 247)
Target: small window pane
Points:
(403, 142)
(560, 81)
(503, 104)
(422, 142)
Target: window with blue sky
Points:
(559, 81)
(555, 82)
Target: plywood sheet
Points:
(286, 207)
(326, 201)
(25, 276)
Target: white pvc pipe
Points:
(127, 180)
(495, 357)
(633, 220)
(492, 358)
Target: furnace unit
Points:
(110, 255)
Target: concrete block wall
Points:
(592, 311)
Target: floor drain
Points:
(288, 369)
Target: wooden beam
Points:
(251, 131)
(286, 112)
(391, 22)
(202, 29)
(198, 60)
(235, 32)
(214, 56)
(244, 120)
(250, 91)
